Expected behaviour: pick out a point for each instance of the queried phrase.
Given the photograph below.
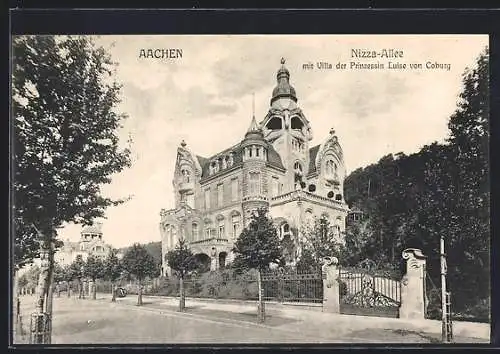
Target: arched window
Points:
(298, 167)
(275, 123)
(284, 230)
(297, 123)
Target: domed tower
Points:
(288, 130)
(254, 150)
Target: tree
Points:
(319, 240)
(140, 264)
(67, 277)
(182, 261)
(59, 276)
(76, 270)
(258, 246)
(442, 190)
(154, 249)
(65, 139)
(112, 271)
(93, 269)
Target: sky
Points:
(205, 98)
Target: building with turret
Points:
(90, 243)
(272, 166)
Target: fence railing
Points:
(293, 286)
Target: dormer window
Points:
(298, 168)
(230, 160)
(186, 175)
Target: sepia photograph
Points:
(249, 189)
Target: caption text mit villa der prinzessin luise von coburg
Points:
(383, 59)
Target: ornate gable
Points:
(330, 147)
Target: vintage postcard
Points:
(235, 189)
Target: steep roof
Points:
(313, 152)
(92, 229)
(274, 159)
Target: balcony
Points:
(258, 198)
(303, 195)
(186, 186)
(212, 240)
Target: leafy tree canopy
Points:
(139, 263)
(442, 190)
(65, 140)
(181, 259)
(258, 244)
(93, 268)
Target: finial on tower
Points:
(283, 61)
(253, 104)
(332, 131)
(183, 143)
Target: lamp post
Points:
(446, 327)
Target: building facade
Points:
(273, 166)
(90, 243)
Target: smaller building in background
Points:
(355, 216)
(91, 243)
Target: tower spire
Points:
(253, 104)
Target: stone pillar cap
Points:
(413, 253)
(330, 260)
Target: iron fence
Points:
(214, 285)
(293, 286)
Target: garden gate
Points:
(369, 291)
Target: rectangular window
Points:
(236, 226)
(207, 233)
(220, 195)
(276, 186)
(221, 231)
(207, 198)
(194, 232)
(254, 183)
(234, 189)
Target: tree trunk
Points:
(42, 328)
(50, 294)
(139, 294)
(19, 326)
(113, 292)
(93, 289)
(81, 291)
(68, 288)
(260, 306)
(182, 295)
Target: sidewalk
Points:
(328, 324)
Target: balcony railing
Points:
(255, 198)
(299, 194)
(210, 240)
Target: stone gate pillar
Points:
(214, 259)
(331, 288)
(413, 295)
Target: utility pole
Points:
(446, 327)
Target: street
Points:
(100, 321)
